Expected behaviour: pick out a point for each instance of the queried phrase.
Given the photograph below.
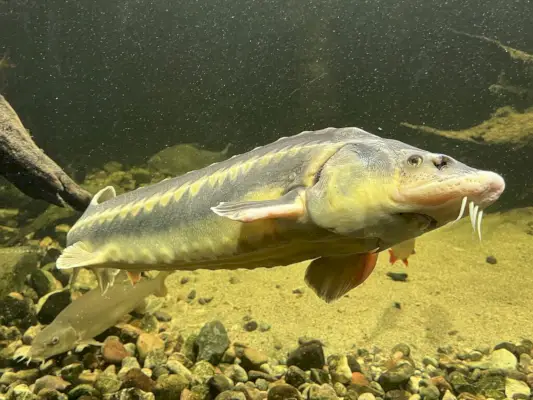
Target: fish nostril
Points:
(441, 161)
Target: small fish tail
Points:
(162, 290)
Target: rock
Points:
(132, 394)
(83, 390)
(283, 392)
(397, 276)
(43, 282)
(429, 392)
(163, 316)
(20, 392)
(491, 260)
(499, 359)
(108, 382)
(71, 372)
(131, 349)
(295, 376)
(212, 342)
(253, 376)
(113, 350)
(340, 389)
(52, 304)
(231, 395)
(320, 376)
(251, 358)
(176, 367)
(169, 387)
(136, 378)
(396, 376)
(322, 392)
(448, 396)
(127, 364)
(15, 264)
(340, 369)
(16, 310)
(250, 326)
(190, 348)
(155, 358)
(367, 396)
(148, 342)
(149, 324)
(460, 383)
(308, 355)
(516, 390)
(236, 373)
(51, 394)
(202, 371)
(218, 384)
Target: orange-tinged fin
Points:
(402, 251)
(134, 277)
(291, 205)
(333, 277)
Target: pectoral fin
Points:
(86, 343)
(290, 205)
(333, 277)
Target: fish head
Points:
(389, 190)
(440, 187)
(52, 340)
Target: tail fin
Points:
(162, 290)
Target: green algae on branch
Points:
(515, 54)
(506, 126)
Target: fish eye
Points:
(415, 160)
(54, 341)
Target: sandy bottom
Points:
(452, 296)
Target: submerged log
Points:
(28, 168)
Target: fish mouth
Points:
(441, 199)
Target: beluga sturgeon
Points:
(336, 196)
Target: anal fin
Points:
(291, 205)
(333, 277)
(134, 277)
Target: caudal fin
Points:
(162, 290)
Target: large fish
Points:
(336, 196)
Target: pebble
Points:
(43, 282)
(218, 384)
(250, 326)
(17, 310)
(308, 355)
(517, 390)
(491, 260)
(295, 376)
(113, 350)
(136, 378)
(52, 304)
(163, 316)
(155, 358)
(284, 392)
(251, 358)
(108, 382)
(169, 387)
(396, 376)
(340, 369)
(236, 373)
(212, 342)
(397, 276)
(148, 342)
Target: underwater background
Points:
(129, 92)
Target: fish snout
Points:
(492, 186)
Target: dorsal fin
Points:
(104, 194)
